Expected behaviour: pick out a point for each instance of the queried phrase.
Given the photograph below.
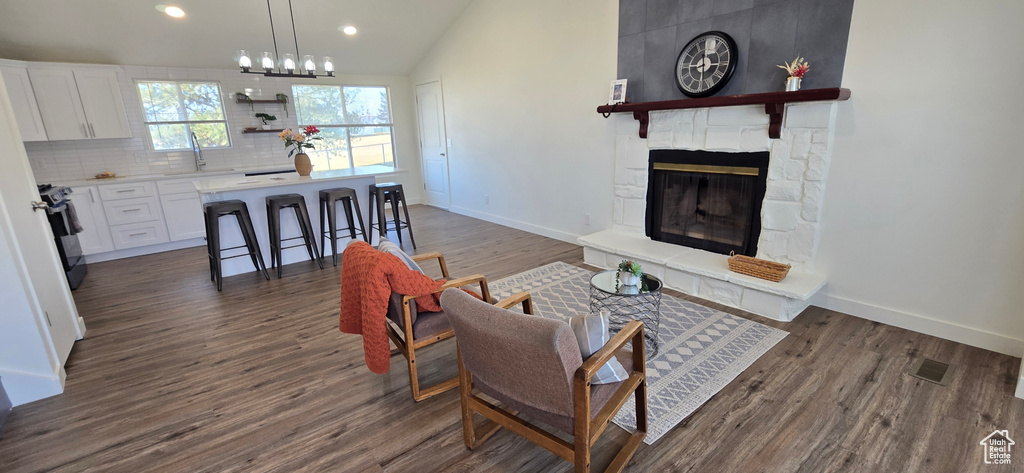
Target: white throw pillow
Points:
(388, 246)
(592, 334)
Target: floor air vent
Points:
(930, 370)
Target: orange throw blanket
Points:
(368, 277)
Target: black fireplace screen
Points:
(705, 200)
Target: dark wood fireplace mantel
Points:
(774, 105)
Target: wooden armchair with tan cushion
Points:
(533, 365)
(411, 330)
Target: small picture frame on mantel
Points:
(617, 94)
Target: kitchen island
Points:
(253, 190)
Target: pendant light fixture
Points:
(289, 66)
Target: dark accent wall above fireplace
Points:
(767, 32)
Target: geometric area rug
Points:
(700, 351)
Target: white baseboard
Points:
(144, 250)
(918, 323)
(526, 227)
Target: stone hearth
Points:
(790, 214)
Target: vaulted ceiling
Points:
(393, 34)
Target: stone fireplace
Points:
(788, 228)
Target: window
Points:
(355, 123)
(173, 111)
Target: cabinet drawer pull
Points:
(131, 210)
(122, 191)
(137, 234)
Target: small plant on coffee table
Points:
(631, 267)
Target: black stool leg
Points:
(307, 233)
(248, 239)
(250, 230)
(346, 205)
(274, 219)
(369, 238)
(332, 216)
(382, 221)
(408, 223)
(215, 246)
(393, 197)
(323, 208)
(209, 249)
(359, 216)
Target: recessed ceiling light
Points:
(349, 30)
(171, 11)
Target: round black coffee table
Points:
(626, 303)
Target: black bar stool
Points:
(275, 203)
(390, 192)
(328, 205)
(212, 212)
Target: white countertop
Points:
(208, 186)
(92, 181)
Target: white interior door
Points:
(433, 144)
(43, 283)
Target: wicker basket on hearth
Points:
(757, 267)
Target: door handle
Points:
(442, 154)
(39, 206)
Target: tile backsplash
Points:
(54, 161)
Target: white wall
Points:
(55, 161)
(521, 83)
(924, 211)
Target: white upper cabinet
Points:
(59, 104)
(101, 99)
(19, 88)
(79, 103)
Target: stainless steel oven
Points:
(65, 226)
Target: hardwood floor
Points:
(174, 376)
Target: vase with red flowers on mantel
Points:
(297, 142)
(796, 70)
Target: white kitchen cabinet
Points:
(183, 209)
(141, 209)
(59, 103)
(79, 103)
(101, 100)
(184, 216)
(134, 235)
(95, 234)
(23, 99)
(128, 190)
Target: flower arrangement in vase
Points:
(629, 273)
(298, 142)
(796, 70)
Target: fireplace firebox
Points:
(706, 200)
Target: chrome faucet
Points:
(197, 151)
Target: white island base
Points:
(253, 190)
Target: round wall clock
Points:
(706, 64)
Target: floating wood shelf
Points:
(278, 130)
(241, 100)
(774, 105)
